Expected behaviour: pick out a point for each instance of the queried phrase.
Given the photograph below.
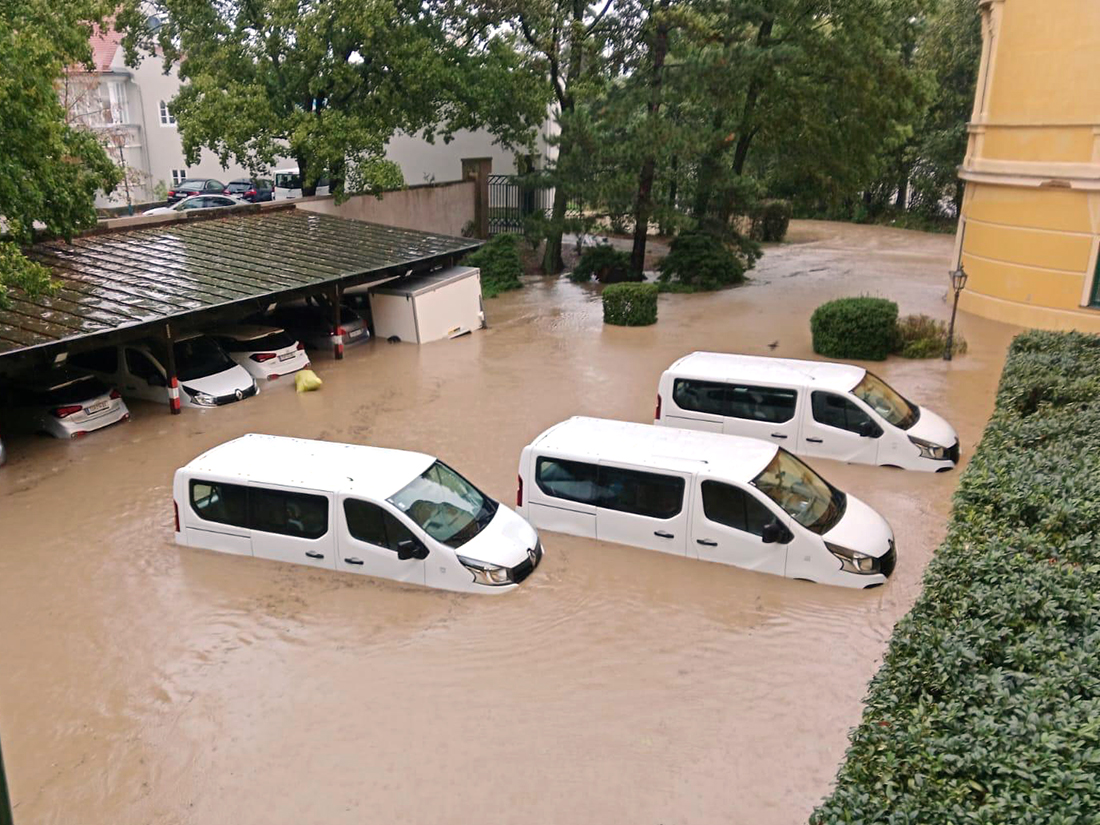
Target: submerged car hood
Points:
(861, 529)
(504, 541)
(221, 383)
(930, 427)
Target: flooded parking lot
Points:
(145, 683)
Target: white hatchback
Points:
(64, 403)
(267, 353)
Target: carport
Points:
(163, 279)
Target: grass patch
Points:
(986, 709)
(922, 337)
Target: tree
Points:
(49, 171)
(330, 82)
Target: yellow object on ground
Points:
(307, 381)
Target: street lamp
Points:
(958, 283)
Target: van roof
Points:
(371, 472)
(722, 366)
(649, 445)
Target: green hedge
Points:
(863, 328)
(605, 263)
(500, 265)
(987, 707)
(699, 260)
(770, 220)
(630, 305)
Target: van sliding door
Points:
(643, 507)
(292, 525)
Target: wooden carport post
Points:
(337, 327)
(173, 381)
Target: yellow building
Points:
(1029, 232)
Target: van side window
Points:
(300, 515)
(700, 396)
(837, 411)
(138, 364)
(372, 524)
(771, 404)
(571, 480)
(646, 494)
(223, 503)
(98, 360)
(734, 507)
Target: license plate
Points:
(286, 356)
(355, 333)
(97, 407)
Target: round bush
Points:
(630, 305)
(863, 328)
(771, 220)
(702, 260)
(604, 263)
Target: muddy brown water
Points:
(145, 683)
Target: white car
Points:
(207, 376)
(64, 403)
(196, 202)
(377, 512)
(267, 353)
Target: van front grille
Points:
(889, 561)
(953, 453)
(233, 397)
(526, 567)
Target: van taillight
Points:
(519, 491)
(176, 507)
(657, 413)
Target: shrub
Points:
(770, 220)
(604, 263)
(500, 265)
(702, 260)
(987, 706)
(630, 305)
(922, 337)
(863, 328)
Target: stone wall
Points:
(446, 208)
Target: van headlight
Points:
(492, 575)
(930, 450)
(201, 398)
(853, 562)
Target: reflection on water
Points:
(145, 683)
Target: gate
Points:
(512, 200)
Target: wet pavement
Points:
(145, 683)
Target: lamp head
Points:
(958, 279)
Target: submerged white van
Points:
(705, 496)
(811, 408)
(378, 512)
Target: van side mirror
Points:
(409, 549)
(775, 533)
(869, 429)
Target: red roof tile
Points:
(104, 46)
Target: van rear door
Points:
(643, 507)
(562, 494)
(290, 524)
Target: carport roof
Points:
(133, 278)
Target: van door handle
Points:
(778, 435)
(664, 535)
(314, 555)
(353, 560)
(706, 542)
(815, 440)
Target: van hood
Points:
(504, 541)
(930, 427)
(861, 529)
(221, 383)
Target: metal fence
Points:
(512, 200)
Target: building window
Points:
(178, 176)
(1096, 286)
(119, 107)
(166, 118)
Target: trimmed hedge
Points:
(500, 264)
(606, 264)
(630, 305)
(987, 707)
(770, 220)
(863, 328)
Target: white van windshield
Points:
(288, 180)
(445, 505)
(803, 494)
(886, 401)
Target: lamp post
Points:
(958, 283)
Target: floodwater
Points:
(145, 683)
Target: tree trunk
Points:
(644, 204)
(309, 188)
(552, 262)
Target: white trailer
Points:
(442, 304)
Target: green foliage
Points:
(160, 191)
(49, 171)
(700, 260)
(922, 337)
(500, 265)
(987, 706)
(630, 305)
(328, 83)
(770, 220)
(864, 328)
(605, 263)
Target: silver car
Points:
(312, 324)
(64, 403)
